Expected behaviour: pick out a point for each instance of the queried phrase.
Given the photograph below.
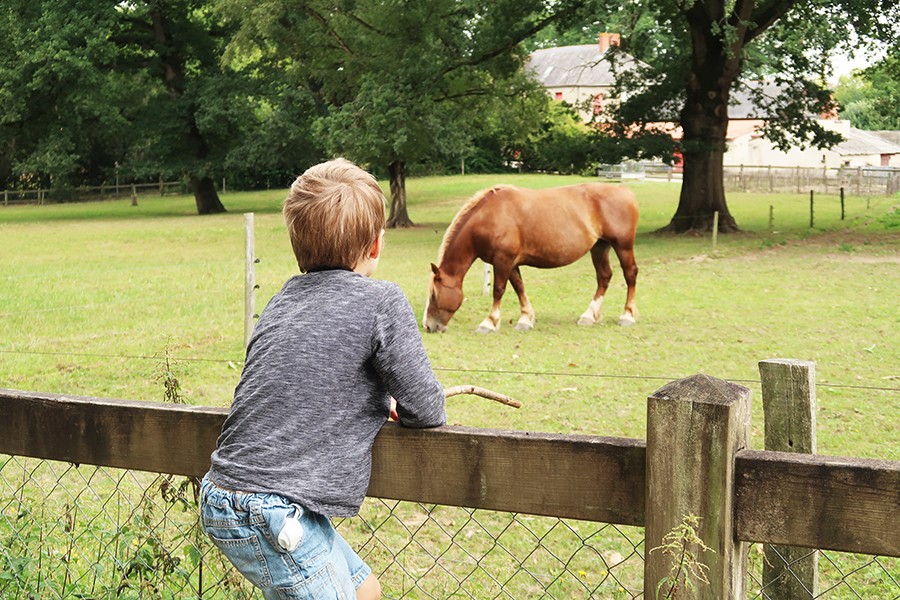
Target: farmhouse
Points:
(746, 146)
(579, 75)
(583, 77)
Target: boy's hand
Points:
(394, 416)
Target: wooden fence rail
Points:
(97, 192)
(695, 461)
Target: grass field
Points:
(95, 295)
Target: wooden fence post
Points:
(789, 406)
(715, 230)
(812, 220)
(695, 426)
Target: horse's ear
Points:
(436, 270)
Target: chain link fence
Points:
(69, 531)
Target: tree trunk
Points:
(206, 196)
(399, 217)
(704, 123)
(173, 72)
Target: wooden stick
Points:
(484, 393)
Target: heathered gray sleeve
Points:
(404, 368)
(324, 355)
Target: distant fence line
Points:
(857, 181)
(110, 191)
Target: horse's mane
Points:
(463, 216)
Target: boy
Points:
(327, 358)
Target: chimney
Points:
(606, 40)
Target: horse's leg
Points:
(630, 270)
(600, 258)
(526, 319)
(492, 322)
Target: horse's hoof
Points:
(587, 321)
(520, 326)
(626, 321)
(485, 329)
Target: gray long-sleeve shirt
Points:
(325, 356)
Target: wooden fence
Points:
(695, 461)
(97, 192)
(858, 181)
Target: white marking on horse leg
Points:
(526, 319)
(486, 326)
(592, 313)
(627, 319)
(491, 323)
(526, 323)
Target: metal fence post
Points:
(249, 277)
(695, 426)
(789, 406)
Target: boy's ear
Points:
(377, 246)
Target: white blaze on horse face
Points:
(431, 320)
(430, 323)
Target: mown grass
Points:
(94, 296)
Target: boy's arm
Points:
(403, 365)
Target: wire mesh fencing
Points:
(69, 531)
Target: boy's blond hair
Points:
(334, 213)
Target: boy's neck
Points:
(320, 269)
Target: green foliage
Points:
(425, 83)
(870, 98)
(562, 145)
(60, 100)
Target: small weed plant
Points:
(683, 546)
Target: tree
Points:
(870, 98)
(696, 53)
(61, 122)
(194, 109)
(400, 81)
(92, 88)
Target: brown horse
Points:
(508, 227)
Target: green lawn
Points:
(95, 295)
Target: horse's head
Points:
(445, 296)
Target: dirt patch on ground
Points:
(849, 245)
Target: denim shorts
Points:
(246, 528)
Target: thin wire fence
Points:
(69, 531)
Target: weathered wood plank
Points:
(568, 476)
(581, 477)
(832, 503)
(145, 436)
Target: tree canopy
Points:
(196, 89)
(400, 81)
(870, 98)
(696, 54)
